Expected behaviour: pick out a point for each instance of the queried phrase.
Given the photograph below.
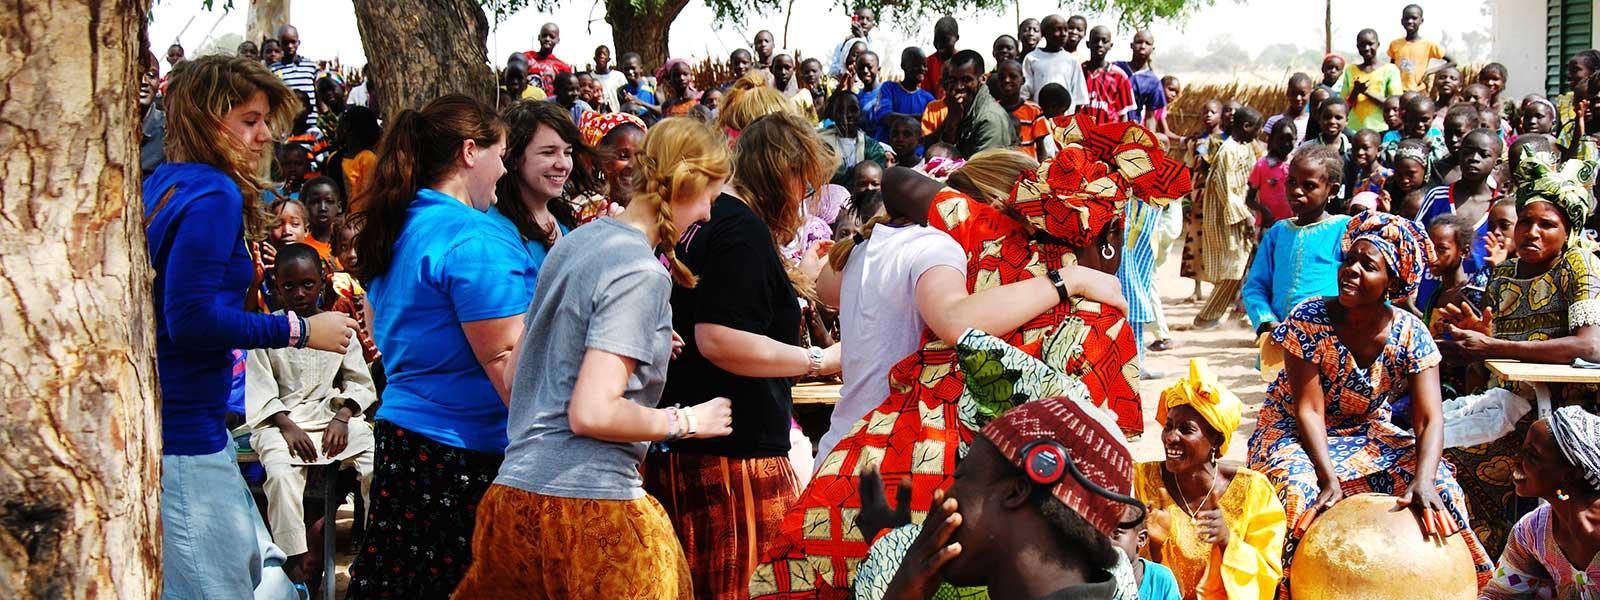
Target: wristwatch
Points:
(814, 357)
(1061, 284)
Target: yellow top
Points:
(1247, 568)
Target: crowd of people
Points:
(555, 337)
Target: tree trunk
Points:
(418, 50)
(266, 16)
(80, 471)
(1327, 28)
(643, 31)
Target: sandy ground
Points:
(1229, 350)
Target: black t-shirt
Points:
(742, 286)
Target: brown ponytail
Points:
(680, 158)
(417, 150)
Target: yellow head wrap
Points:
(1199, 389)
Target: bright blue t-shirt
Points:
(1159, 583)
(452, 264)
(536, 250)
(893, 98)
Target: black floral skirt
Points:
(425, 495)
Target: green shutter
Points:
(1569, 29)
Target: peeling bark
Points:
(80, 470)
(266, 16)
(418, 50)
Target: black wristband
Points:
(1055, 280)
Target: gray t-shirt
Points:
(603, 288)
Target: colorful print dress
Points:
(1533, 566)
(924, 425)
(1369, 452)
(1551, 305)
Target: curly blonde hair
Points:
(200, 95)
(680, 158)
(749, 99)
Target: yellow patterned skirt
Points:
(528, 545)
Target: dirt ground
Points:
(1229, 350)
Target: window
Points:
(1569, 29)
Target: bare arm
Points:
(599, 411)
(1427, 421)
(492, 342)
(754, 355)
(1310, 408)
(829, 282)
(949, 311)
(1472, 346)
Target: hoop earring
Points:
(1107, 252)
(1562, 495)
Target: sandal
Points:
(1161, 345)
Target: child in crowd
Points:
(1054, 101)
(1267, 178)
(320, 196)
(1446, 85)
(1537, 115)
(1416, 118)
(567, 90)
(294, 168)
(1459, 120)
(590, 93)
(1475, 93)
(1391, 118)
(905, 131)
(1332, 71)
(1411, 164)
(294, 394)
(638, 95)
(1370, 87)
(1032, 128)
(1332, 114)
(1298, 258)
(1472, 193)
(903, 97)
(866, 70)
(1298, 93)
(1452, 236)
(1363, 172)
(1110, 97)
(1229, 230)
(352, 163)
(1028, 34)
(607, 78)
(1314, 108)
(1197, 156)
(1054, 63)
(349, 297)
(1155, 580)
(945, 34)
(817, 89)
(850, 143)
(1005, 48)
(866, 177)
(289, 225)
(1493, 76)
(1412, 54)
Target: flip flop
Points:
(1161, 345)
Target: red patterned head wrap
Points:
(1091, 446)
(595, 126)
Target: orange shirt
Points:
(1031, 125)
(1413, 59)
(356, 171)
(933, 116)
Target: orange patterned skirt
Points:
(726, 512)
(528, 545)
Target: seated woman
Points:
(1552, 551)
(928, 420)
(1324, 431)
(1543, 305)
(1218, 526)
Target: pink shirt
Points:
(1268, 179)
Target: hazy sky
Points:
(328, 28)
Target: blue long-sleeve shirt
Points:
(202, 268)
(1293, 263)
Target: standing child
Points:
(1298, 258)
(1391, 116)
(1053, 63)
(638, 95)
(1198, 158)
(902, 97)
(1054, 101)
(320, 197)
(1331, 116)
(1459, 120)
(1363, 172)
(1332, 72)
(294, 168)
(1298, 93)
(293, 394)
(1369, 86)
(1493, 76)
(1032, 128)
(1416, 119)
(1452, 236)
(945, 34)
(1412, 53)
(1446, 85)
(850, 144)
(905, 131)
(1110, 98)
(1411, 164)
(1028, 35)
(1267, 178)
(1229, 237)
(1149, 93)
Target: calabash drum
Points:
(1362, 549)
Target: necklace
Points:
(1185, 501)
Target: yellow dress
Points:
(1248, 568)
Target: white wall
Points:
(1518, 35)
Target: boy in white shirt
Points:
(1053, 63)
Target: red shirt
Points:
(935, 74)
(1110, 94)
(542, 72)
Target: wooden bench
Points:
(1541, 375)
(826, 394)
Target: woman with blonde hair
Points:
(568, 516)
(749, 99)
(201, 220)
(447, 285)
(741, 328)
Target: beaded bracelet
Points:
(672, 423)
